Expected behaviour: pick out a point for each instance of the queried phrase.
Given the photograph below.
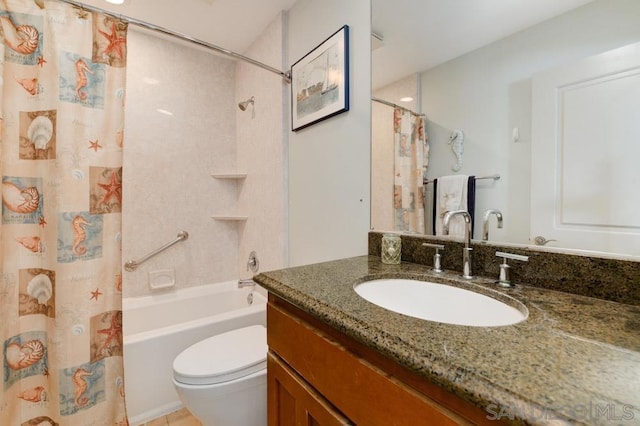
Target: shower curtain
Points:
(411, 157)
(62, 102)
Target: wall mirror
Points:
(547, 96)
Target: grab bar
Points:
(132, 264)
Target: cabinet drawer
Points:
(360, 390)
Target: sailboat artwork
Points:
(320, 82)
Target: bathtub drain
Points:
(250, 298)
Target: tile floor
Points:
(178, 418)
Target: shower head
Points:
(243, 105)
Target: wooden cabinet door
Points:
(347, 382)
(292, 402)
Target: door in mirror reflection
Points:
(585, 177)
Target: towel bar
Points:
(494, 177)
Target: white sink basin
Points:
(441, 303)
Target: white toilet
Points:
(222, 380)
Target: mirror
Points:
(479, 67)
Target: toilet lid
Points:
(223, 357)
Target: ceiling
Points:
(439, 29)
(420, 34)
(231, 24)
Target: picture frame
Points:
(320, 82)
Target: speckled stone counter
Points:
(575, 360)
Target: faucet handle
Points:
(437, 267)
(435, 246)
(506, 256)
(503, 280)
(253, 264)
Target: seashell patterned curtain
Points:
(62, 110)
(411, 157)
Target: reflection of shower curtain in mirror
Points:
(411, 155)
(62, 109)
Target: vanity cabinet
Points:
(320, 376)
(292, 401)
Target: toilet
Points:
(222, 380)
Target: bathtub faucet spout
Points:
(246, 283)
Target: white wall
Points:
(329, 162)
(260, 137)
(487, 93)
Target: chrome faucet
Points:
(485, 222)
(246, 283)
(466, 251)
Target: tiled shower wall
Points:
(180, 128)
(261, 152)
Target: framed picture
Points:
(320, 82)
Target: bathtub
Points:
(158, 327)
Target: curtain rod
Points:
(285, 75)
(391, 104)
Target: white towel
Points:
(451, 195)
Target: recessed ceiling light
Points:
(164, 111)
(406, 99)
(115, 1)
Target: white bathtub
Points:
(157, 328)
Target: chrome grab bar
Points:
(132, 265)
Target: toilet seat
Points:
(224, 357)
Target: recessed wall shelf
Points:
(236, 176)
(230, 177)
(231, 218)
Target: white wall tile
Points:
(260, 145)
(168, 161)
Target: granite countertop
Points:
(575, 360)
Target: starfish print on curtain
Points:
(61, 172)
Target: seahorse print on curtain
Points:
(62, 110)
(411, 154)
